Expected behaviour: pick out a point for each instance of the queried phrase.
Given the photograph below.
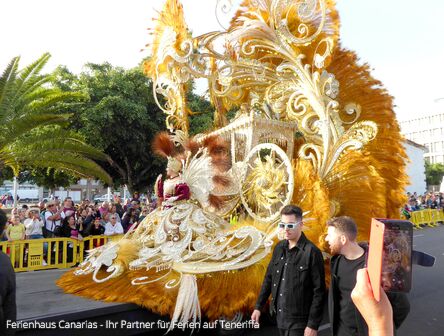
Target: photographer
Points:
(34, 225)
(347, 258)
(53, 217)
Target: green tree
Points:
(49, 178)
(121, 118)
(434, 173)
(33, 122)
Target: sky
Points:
(402, 40)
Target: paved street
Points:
(425, 319)
(427, 296)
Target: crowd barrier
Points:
(429, 217)
(50, 253)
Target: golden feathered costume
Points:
(282, 64)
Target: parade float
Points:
(311, 127)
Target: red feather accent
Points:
(163, 145)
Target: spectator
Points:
(104, 209)
(113, 227)
(53, 219)
(136, 197)
(86, 202)
(57, 203)
(10, 200)
(16, 231)
(127, 205)
(136, 206)
(22, 215)
(4, 199)
(143, 214)
(8, 308)
(118, 204)
(71, 229)
(295, 279)
(347, 258)
(34, 225)
(82, 214)
(113, 211)
(92, 214)
(377, 315)
(96, 228)
(68, 207)
(129, 219)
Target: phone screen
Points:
(396, 273)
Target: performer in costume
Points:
(179, 240)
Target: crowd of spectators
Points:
(53, 219)
(428, 200)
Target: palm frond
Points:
(31, 120)
(19, 127)
(7, 83)
(30, 72)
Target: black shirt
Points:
(8, 309)
(297, 274)
(346, 276)
(283, 314)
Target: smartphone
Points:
(390, 256)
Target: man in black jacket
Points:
(8, 310)
(295, 279)
(348, 257)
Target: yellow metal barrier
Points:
(430, 217)
(49, 253)
(441, 216)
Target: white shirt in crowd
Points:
(50, 224)
(113, 229)
(33, 226)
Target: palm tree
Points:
(32, 126)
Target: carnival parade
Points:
(287, 215)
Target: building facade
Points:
(415, 168)
(429, 132)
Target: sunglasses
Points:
(289, 226)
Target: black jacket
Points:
(399, 301)
(306, 285)
(8, 309)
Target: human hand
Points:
(256, 315)
(377, 315)
(310, 332)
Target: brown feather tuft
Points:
(163, 145)
(215, 145)
(216, 201)
(192, 146)
(221, 181)
(221, 163)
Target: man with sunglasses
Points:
(295, 279)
